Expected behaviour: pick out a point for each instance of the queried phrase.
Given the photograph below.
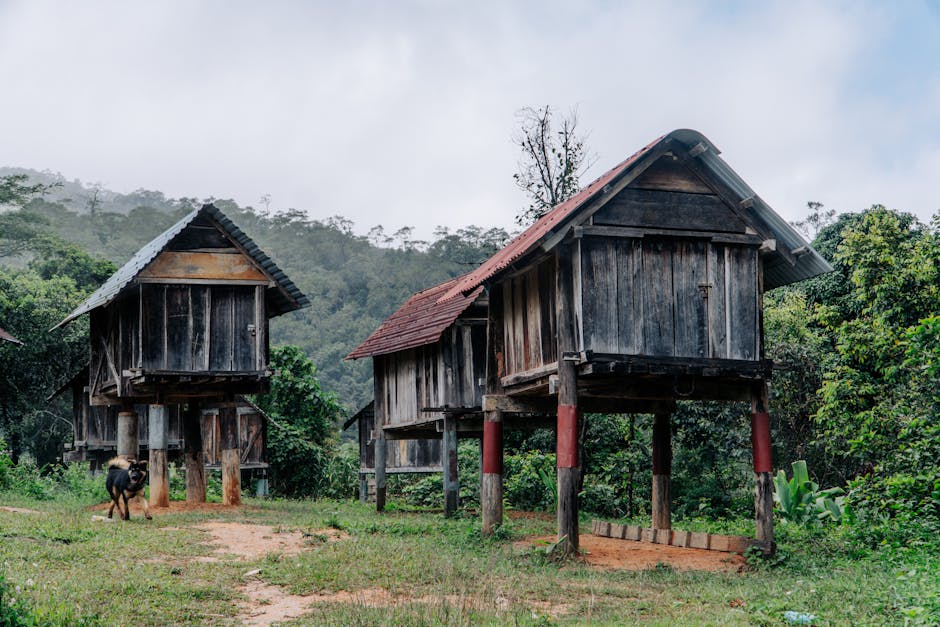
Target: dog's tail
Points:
(119, 462)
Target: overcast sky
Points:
(400, 113)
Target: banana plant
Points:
(799, 499)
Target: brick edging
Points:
(673, 537)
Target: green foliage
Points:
(14, 612)
(303, 424)
(800, 500)
(530, 480)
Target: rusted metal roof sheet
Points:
(420, 321)
(808, 262)
(284, 297)
(6, 337)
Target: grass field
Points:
(416, 568)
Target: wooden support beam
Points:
(378, 389)
(157, 443)
(449, 463)
(193, 454)
(363, 488)
(763, 463)
(662, 471)
(491, 487)
(567, 462)
(127, 443)
(491, 445)
(228, 445)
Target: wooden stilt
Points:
(763, 463)
(568, 464)
(662, 470)
(128, 446)
(363, 488)
(229, 454)
(158, 423)
(449, 462)
(193, 455)
(491, 488)
(378, 386)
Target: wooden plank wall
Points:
(401, 454)
(445, 373)
(529, 319)
(669, 297)
(250, 432)
(199, 328)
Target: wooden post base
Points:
(195, 477)
(231, 477)
(764, 508)
(662, 515)
(491, 501)
(568, 481)
(451, 482)
(159, 479)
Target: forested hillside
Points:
(353, 281)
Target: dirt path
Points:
(615, 554)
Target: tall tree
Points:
(552, 162)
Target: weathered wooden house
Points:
(643, 289)
(428, 362)
(186, 321)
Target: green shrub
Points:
(529, 481)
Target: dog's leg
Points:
(143, 501)
(111, 509)
(127, 509)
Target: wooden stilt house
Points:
(643, 289)
(186, 321)
(428, 364)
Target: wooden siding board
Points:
(244, 354)
(717, 338)
(629, 308)
(179, 351)
(199, 325)
(152, 346)
(203, 265)
(743, 302)
(667, 173)
(221, 329)
(533, 319)
(658, 312)
(546, 283)
(690, 271)
(669, 210)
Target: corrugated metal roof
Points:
(6, 337)
(420, 321)
(284, 297)
(808, 263)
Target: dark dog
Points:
(126, 480)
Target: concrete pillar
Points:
(157, 443)
(128, 445)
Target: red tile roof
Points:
(529, 239)
(7, 337)
(420, 321)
